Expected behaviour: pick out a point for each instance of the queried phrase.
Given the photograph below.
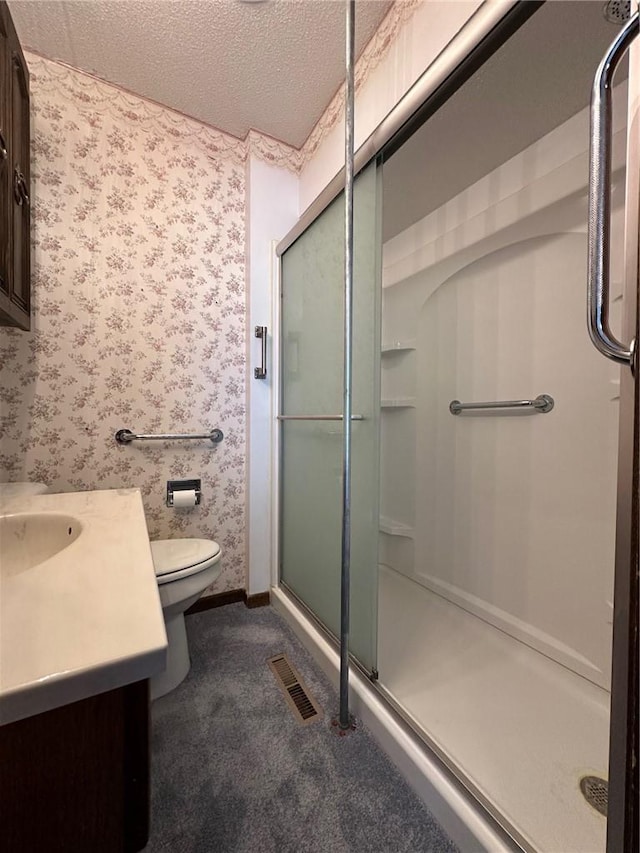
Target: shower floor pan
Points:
(522, 728)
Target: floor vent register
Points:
(304, 707)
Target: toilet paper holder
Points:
(174, 486)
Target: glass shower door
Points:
(311, 421)
(498, 578)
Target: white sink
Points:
(27, 539)
(80, 611)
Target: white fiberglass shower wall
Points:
(484, 300)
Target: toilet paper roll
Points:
(184, 498)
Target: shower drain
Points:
(596, 792)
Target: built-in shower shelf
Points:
(395, 528)
(398, 346)
(399, 403)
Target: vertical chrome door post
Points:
(345, 573)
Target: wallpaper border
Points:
(150, 114)
(373, 54)
(92, 94)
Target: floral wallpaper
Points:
(139, 308)
(139, 305)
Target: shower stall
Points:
(487, 430)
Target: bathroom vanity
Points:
(81, 633)
(76, 778)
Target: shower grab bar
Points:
(543, 403)
(124, 436)
(317, 417)
(599, 224)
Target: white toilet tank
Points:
(19, 490)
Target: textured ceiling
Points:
(539, 78)
(272, 66)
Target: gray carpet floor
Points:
(233, 772)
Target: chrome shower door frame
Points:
(624, 743)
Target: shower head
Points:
(617, 11)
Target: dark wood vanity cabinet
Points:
(76, 779)
(15, 179)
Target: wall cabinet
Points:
(15, 243)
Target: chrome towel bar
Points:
(317, 417)
(124, 436)
(542, 403)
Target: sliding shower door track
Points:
(500, 823)
(504, 826)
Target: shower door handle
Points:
(317, 417)
(599, 220)
(261, 372)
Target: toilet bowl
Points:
(184, 569)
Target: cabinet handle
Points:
(16, 186)
(3, 147)
(20, 187)
(23, 190)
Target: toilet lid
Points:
(172, 555)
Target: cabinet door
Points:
(21, 278)
(15, 249)
(6, 205)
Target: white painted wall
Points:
(272, 211)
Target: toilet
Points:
(184, 569)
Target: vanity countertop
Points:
(80, 611)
